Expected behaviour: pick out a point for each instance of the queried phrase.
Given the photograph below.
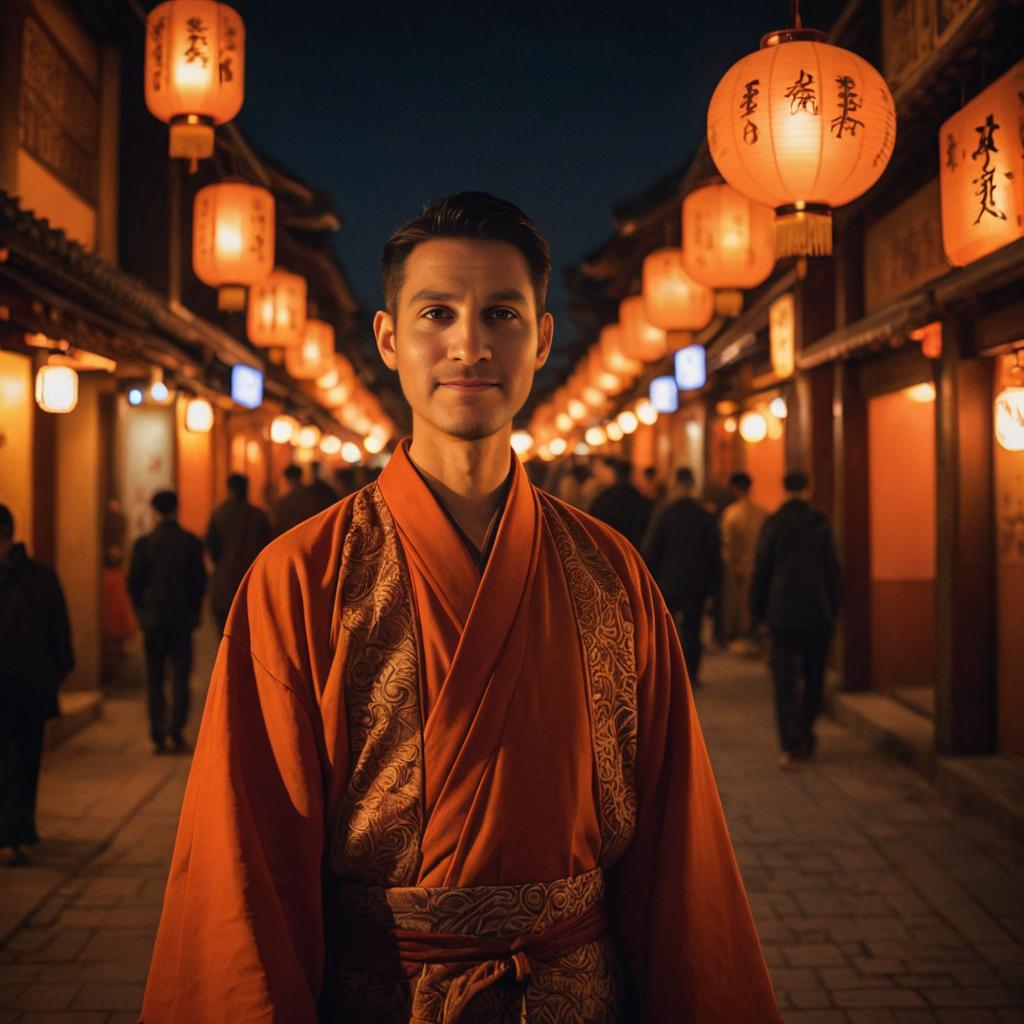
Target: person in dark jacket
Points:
(297, 504)
(166, 581)
(795, 590)
(35, 655)
(322, 493)
(237, 533)
(683, 551)
(622, 506)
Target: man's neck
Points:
(469, 476)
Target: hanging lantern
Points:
(691, 368)
(642, 341)
(374, 442)
(803, 127)
(782, 334)
(778, 408)
(728, 239)
(522, 442)
(664, 394)
(277, 310)
(56, 388)
(753, 427)
(283, 429)
(330, 444)
(351, 452)
(1009, 418)
(627, 421)
(673, 300)
(614, 431)
(199, 416)
(195, 71)
(232, 239)
(645, 412)
(595, 437)
(981, 171)
(314, 354)
(308, 437)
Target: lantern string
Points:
(794, 13)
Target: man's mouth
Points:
(468, 385)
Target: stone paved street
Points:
(877, 900)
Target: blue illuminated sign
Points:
(247, 386)
(691, 368)
(664, 394)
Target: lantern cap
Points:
(793, 35)
(231, 298)
(191, 137)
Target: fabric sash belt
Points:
(469, 963)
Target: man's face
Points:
(465, 339)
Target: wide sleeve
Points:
(680, 914)
(241, 933)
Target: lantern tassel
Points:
(803, 232)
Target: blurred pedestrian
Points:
(35, 641)
(237, 533)
(322, 493)
(682, 550)
(602, 476)
(622, 506)
(166, 581)
(651, 485)
(571, 487)
(297, 504)
(345, 481)
(741, 526)
(117, 621)
(796, 591)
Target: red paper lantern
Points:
(641, 340)
(277, 310)
(672, 300)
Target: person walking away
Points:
(35, 641)
(237, 533)
(602, 476)
(623, 507)
(682, 550)
(741, 526)
(573, 483)
(795, 589)
(297, 504)
(322, 493)
(166, 580)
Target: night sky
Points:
(563, 109)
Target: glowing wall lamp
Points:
(56, 388)
(691, 368)
(664, 394)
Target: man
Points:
(602, 476)
(741, 526)
(796, 590)
(237, 533)
(322, 493)
(450, 768)
(166, 580)
(622, 506)
(682, 550)
(35, 655)
(297, 504)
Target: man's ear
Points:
(545, 335)
(384, 332)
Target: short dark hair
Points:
(293, 472)
(476, 215)
(685, 475)
(623, 470)
(6, 522)
(238, 485)
(165, 502)
(741, 481)
(795, 481)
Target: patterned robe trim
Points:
(380, 826)
(607, 637)
(583, 985)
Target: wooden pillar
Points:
(852, 525)
(965, 720)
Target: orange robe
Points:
(386, 726)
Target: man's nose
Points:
(468, 341)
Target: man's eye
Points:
(503, 314)
(436, 314)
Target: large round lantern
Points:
(612, 347)
(641, 340)
(314, 354)
(673, 300)
(803, 127)
(728, 240)
(277, 310)
(56, 388)
(232, 239)
(195, 71)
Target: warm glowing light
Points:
(564, 422)
(576, 409)
(642, 341)
(728, 240)
(330, 444)
(314, 354)
(374, 443)
(614, 431)
(56, 388)
(308, 436)
(777, 407)
(627, 421)
(350, 452)
(595, 437)
(930, 337)
(673, 300)
(614, 360)
(782, 334)
(726, 407)
(195, 71)
(753, 427)
(558, 446)
(283, 429)
(691, 368)
(645, 412)
(693, 430)
(981, 157)
(729, 425)
(135, 396)
(199, 416)
(522, 442)
(921, 393)
(803, 127)
(594, 397)
(664, 394)
(277, 310)
(158, 391)
(329, 379)
(1009, 418)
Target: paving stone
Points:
(95, 995)
(47, 997)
